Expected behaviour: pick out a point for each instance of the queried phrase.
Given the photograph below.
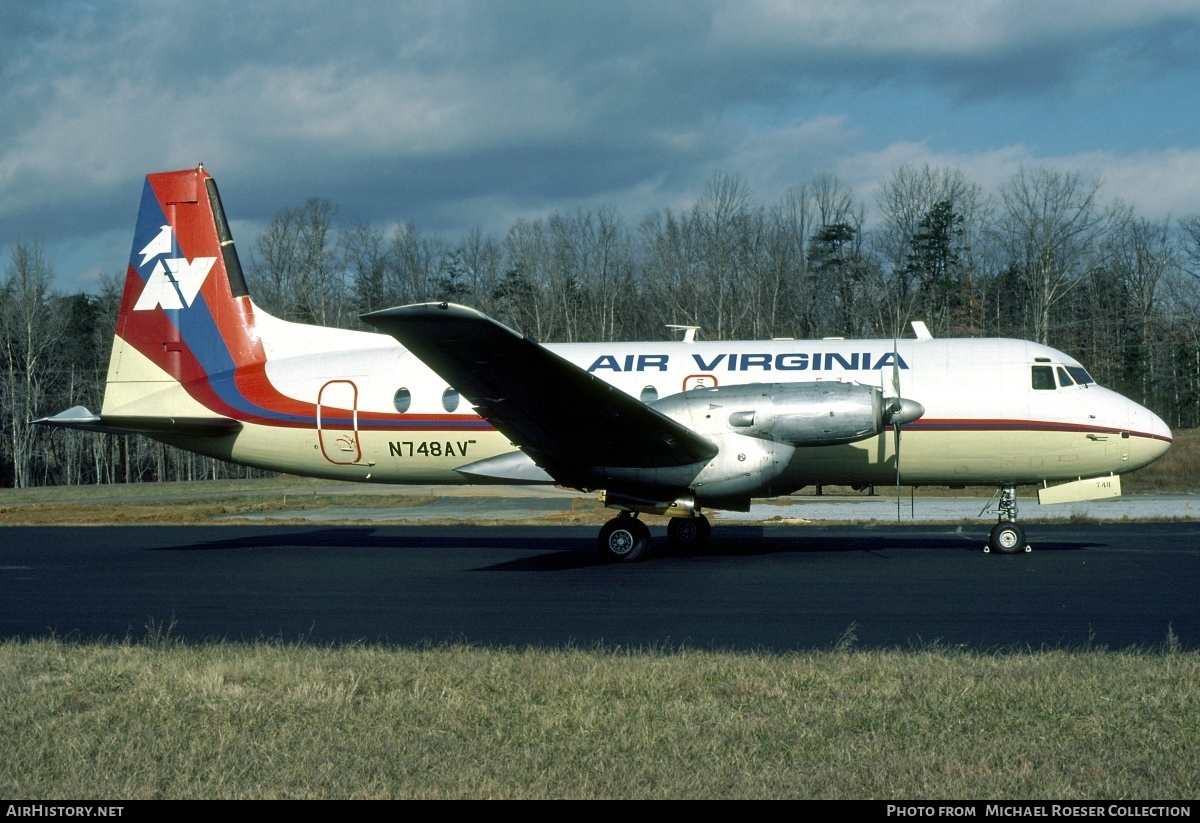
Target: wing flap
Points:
(567, 420)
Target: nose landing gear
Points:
(1007, 537)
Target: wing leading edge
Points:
(568, 421)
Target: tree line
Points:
(1045, 257)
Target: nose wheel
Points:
(1007, 537)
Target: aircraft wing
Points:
(567, 420)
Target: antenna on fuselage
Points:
(689, 332)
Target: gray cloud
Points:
(435, 112)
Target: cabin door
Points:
(337, 422)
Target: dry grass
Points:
(186, 503)
(1177, 471)
(156, 719)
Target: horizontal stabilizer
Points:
(1094, 488)
(81, 419)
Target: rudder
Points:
(186, 320)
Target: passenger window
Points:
(649, 394)
(450, 400)
(402, 400)
(1043, 378)
(1064, 379)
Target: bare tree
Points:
(30, 332)
(671, 262)
(520, 293)
(838, 260)
(726, 226)
(481, 261)
(365, 257)
(1140, 253)
(321, 277)
(930, 222)
(274, 260)
(295, 270)
(1050, 227)
(793, 303)
(414, 260)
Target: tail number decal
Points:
(429, 448)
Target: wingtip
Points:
(441, 308)
(402, 322)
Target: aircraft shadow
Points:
(575, 547)
(373, 537)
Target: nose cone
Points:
(1150, 437)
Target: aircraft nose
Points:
(1152, 437)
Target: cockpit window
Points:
(1043, 378)
(1080, 374)
(1064, 379)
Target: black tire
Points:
(624, 540)
(689, 534)
(1007, 538)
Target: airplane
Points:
(444, 395)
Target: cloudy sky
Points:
(457, 114)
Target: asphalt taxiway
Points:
(772, 587)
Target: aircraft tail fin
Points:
(189, 357)
(186, 342)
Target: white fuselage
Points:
(984, 421)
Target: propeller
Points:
(897, 412)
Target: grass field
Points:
(154, 718)
(157, 719)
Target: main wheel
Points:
(624, 539)
(1007, 538)
(689, 534)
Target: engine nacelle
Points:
(800, 414)
(757, 428)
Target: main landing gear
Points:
(1007, 537)
(626, 539)
(689, 535)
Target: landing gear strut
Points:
(1007, 537)
(624, 539)
(689, 534)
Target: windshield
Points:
(1080, 374)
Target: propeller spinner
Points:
(899, 410)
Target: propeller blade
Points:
(895, 369)
(897, 408)
(896, 431)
